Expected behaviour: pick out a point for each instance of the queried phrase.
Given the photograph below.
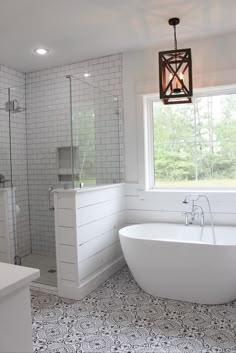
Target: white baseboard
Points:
(92, 282)
(43, 288)
(100, 277)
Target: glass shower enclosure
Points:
(56, 133)
(95, 135)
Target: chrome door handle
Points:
(50, 207)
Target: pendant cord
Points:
(175, 43)
(175, 39)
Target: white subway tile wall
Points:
(48, 128)
(16, 80)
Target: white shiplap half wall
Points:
(7, 222)
(4, 233)
(100, 214)
(87, 240)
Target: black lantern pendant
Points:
(175, 73)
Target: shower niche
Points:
(64, 163)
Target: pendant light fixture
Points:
(175, 73)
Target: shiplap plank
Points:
(97, 244)
(94, 212)
(89, 198)
(3, 244)
(101, 259)
(68, 271)
(3, 257)
(2, 213)
(3, 229)
(68, 253)
(66, 201)
(66, 218)
(91, 230)
(66, 236)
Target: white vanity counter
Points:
(14, 277)
(15, 308)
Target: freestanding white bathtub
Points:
(182, 262)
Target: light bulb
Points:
(41, 51)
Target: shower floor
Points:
(44, 264)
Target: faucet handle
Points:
(186, 215)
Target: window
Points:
(194, 144)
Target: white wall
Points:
(167, 206)
(214, 64)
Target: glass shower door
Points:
(8, 244)
(19, 178)
(40, 135)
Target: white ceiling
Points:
(75, 30)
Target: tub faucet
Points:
(196, 211)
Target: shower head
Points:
(186, 200)
(192, 197)
(13, 106)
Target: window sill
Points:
(225, 189)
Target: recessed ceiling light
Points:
(41, 51)
(87, 74)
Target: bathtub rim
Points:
(192, 242)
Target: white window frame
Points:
(149, 139)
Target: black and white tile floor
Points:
(120, 317)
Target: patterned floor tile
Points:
(119, 317)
